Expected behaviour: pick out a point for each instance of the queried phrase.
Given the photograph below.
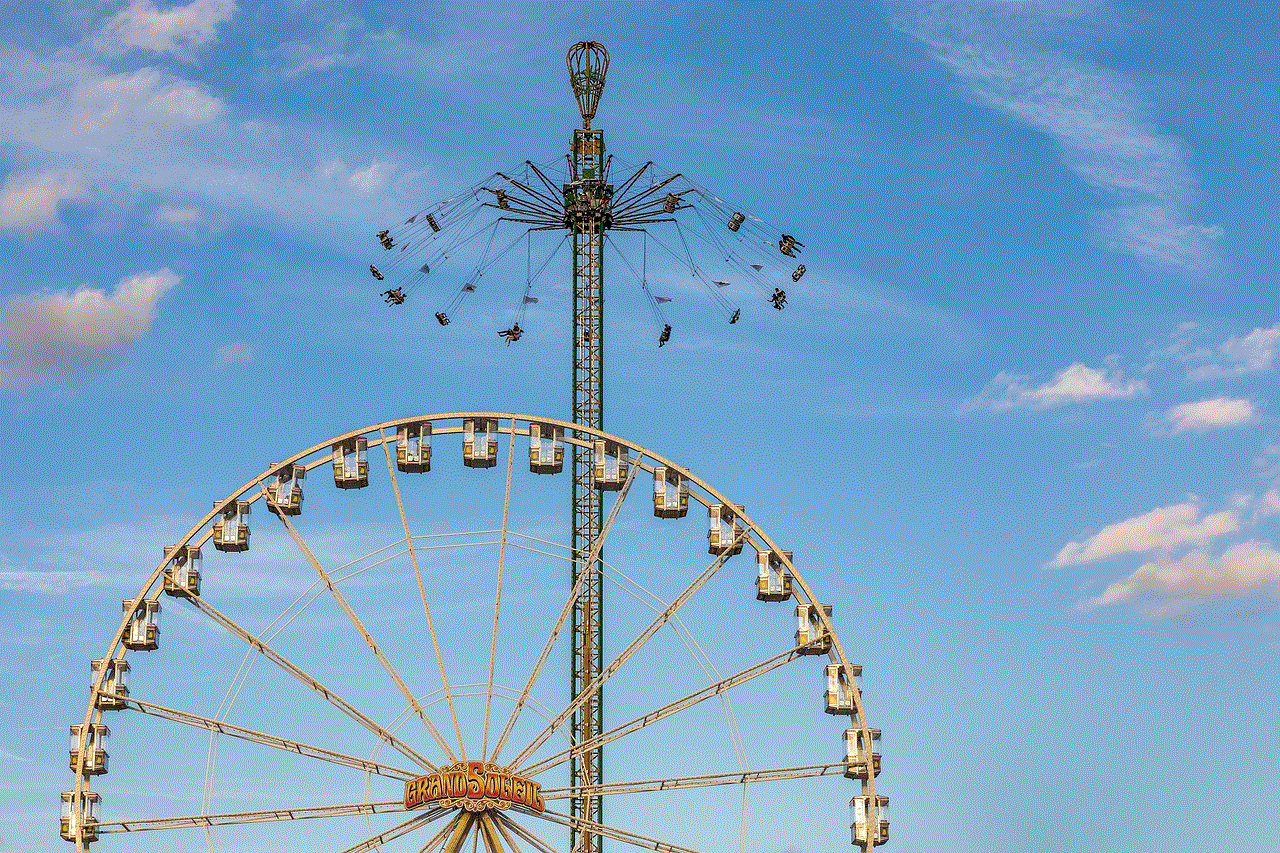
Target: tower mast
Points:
(587, 203)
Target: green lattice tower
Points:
(587, 202)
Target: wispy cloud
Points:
(1213, 413)
(1073, 384)
(1180, 570)
(1161, 529)
(1173, 585)
(234, 353)
(1253, 353)
(46, 335)
(340, 43)
(179, 31)
(190, 222)
(1094, 115)
(77, 128)
(29, 202)
(106, 556)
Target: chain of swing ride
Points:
(581, 203)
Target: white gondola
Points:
(859, 755)
(546, 449)
(670, 493)
(413, 448)
(351, 463)
(142, 634)
(95, 748)
(182, 575)
(724, 530)
(611, 465)
(284, 491)
(869, 820)
(231, 532)
(811, 635)
(115, 686)
(842, 687)
(480, 442)
(73, 811)
(773, 581)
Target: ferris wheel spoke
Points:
(737, 777)
(564, 613)
(264, 816)
(426, 608)
(662, 618)
(626, 837)
(400, 829)
(444, 830)
(274, 741)
(497, 595)
(487, 831)
(301, 675)
(718, 688)
(498, 819)
(364, 633)
(507, 823)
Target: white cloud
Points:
(1212, 413)
(1253, 353)
(1161, 529)
(46, 335)
(339, 44)
(104, 556)
(234, 353)
(1073, 384)
(190, 222)
(29, 202)
(1093, 114)
(147, 136)
(1242, 569)
(1180, 348)
(365, 181)
(51, 582)
(1155, 233)
(179, 31)
(72, 112)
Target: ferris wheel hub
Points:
(474, 786)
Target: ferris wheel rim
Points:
(377, 435)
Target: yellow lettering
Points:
(411, 793)
(473, 780)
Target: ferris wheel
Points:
(382, 669)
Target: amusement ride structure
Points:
(286, 710)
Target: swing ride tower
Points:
(587, 200)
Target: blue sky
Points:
(1018, 422)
